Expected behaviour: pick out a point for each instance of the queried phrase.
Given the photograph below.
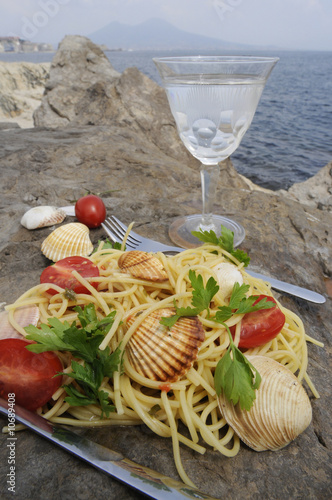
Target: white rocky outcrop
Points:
(315, 191)
(21, 88)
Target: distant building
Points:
(16, 44)
(10, 43)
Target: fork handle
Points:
(160, 247)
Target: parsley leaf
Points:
(240, 304)
(201, 298)
(83, 342)
(46, 337)
(77, 398)
(236, 377)
(69, 294)
(107, 244)
(89, 378)
(225, 241)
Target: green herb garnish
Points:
(83, 342)
(69, 294)
(235, 375)
(201, 298)
(225, 241)
(240, 304)
(107, 244)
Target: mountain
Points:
(156, 34)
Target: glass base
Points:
(180, 230)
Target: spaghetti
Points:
(192, 399)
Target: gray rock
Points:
(21, 88)
(148, 180)
(84, 89)
(8, 125)
(315, 191)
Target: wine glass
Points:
(213, 100)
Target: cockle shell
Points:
(24, 316)
(142, 265)
(43, 216)
(67, 241)
(280, 412)
(227, 275)
(161, 353)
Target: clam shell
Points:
(280, 413)
(24, 316)
(142, 265)
(43, 216)
(161, 353)
(67, 241)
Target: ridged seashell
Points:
(227, 275)
(142, 265)
(42, 216)
(280, 412)
(24, 316)
(67, 241)
(161, 353)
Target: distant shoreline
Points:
(288, 140)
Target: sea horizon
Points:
(289, 139)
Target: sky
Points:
(285, 24)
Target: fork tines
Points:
(119, 230)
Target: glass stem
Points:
(209, 179)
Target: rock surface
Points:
(145, 178)
(21, 88)
(314, 192)
(84, 89)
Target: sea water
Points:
(290, 137)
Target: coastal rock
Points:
(21, 88)
(315, 191)
(144, 178)
(78, 65)
(84, 89)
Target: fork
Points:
(116, 230)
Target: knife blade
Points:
(283, 286)
(150, 482)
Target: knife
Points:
(150, 482)
(282, 286)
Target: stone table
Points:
(138, 181)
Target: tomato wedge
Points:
(61, 274)
(28, 375)
(259, 327)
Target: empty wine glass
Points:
(213, 100)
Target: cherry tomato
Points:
(90, 210)
(259, 327)
(61, 274)
(28, 375)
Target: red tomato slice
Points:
(259, 327)
(28, 375)
(61, 274)
(90, 210)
